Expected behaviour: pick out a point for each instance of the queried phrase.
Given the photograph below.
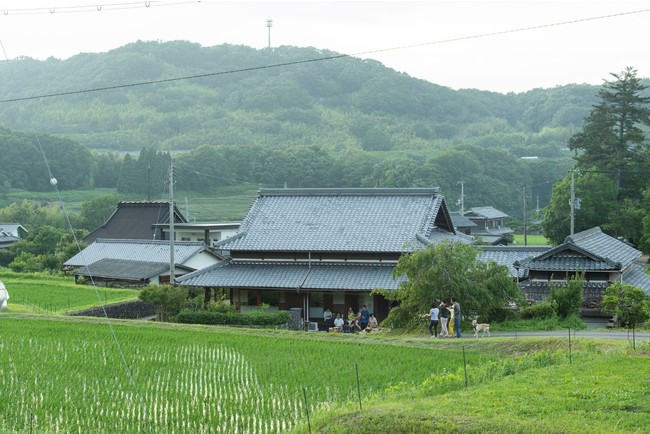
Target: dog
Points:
(485, 328)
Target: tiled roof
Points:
(637, 277)
(135, 250)
(294, 275)
(134, 221)
(595, 241)
(507, 255)
(14, 229)
(570, 260)
(487, 212)
(336, 220)
(587, 250)
(123, 269)
(460, 221)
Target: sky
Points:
(500, 46)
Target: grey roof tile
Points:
(335, 220)
(636, 276)
(135, 250)
(123, 269)
(595, 241)
(294, 275)
(487, 212)
(507, 255)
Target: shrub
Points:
(569, 298)
(257, 318)
(501, 314)
(543, 309)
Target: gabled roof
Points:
(137, 250)
(14, 229)
(485, 212)
(590, 250)
(134, 221)
(337, 220)
(123, 269)
(294, 275)
(595, 241)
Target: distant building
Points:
(209, 233)
(490, 225)
(135, 221)
(136, 263)
(11, 233)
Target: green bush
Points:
(569, 298)
(501, 314)
(543, 309)
(256, 318)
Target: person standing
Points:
(433, 324)
(444, 317)
(364, 317)
(456, 314)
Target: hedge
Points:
(256, 318)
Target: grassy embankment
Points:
(51, 294)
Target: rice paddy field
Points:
(69, 375)
(61, 374)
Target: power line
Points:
(92, 8)
(332, 57)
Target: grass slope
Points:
(605, 389)
(45, 293)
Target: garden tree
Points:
(612, 138)
(95, 211)
(629, 303)
(626, 221)
(167, 300)
(448, 270)
(569, 298)
(597, 194)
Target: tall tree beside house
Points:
(612, 138)
(597, 194)
(448, 270)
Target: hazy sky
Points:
(438, 41)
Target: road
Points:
(598, 334)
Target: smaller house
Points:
(10, 233)
(135, 221)
(491, 225)
(208, 233)
(138, 262)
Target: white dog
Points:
(485, 328)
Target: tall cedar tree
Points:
(612, 139)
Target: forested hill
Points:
(339, 104)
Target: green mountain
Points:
(272, 97)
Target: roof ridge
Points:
(348, 191)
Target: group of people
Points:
(360, 321)
(448, 316)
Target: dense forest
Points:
(291, 116)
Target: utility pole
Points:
(172, 268)
(269, 24)
(525, 224)
(572, 200)
(462, 197)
